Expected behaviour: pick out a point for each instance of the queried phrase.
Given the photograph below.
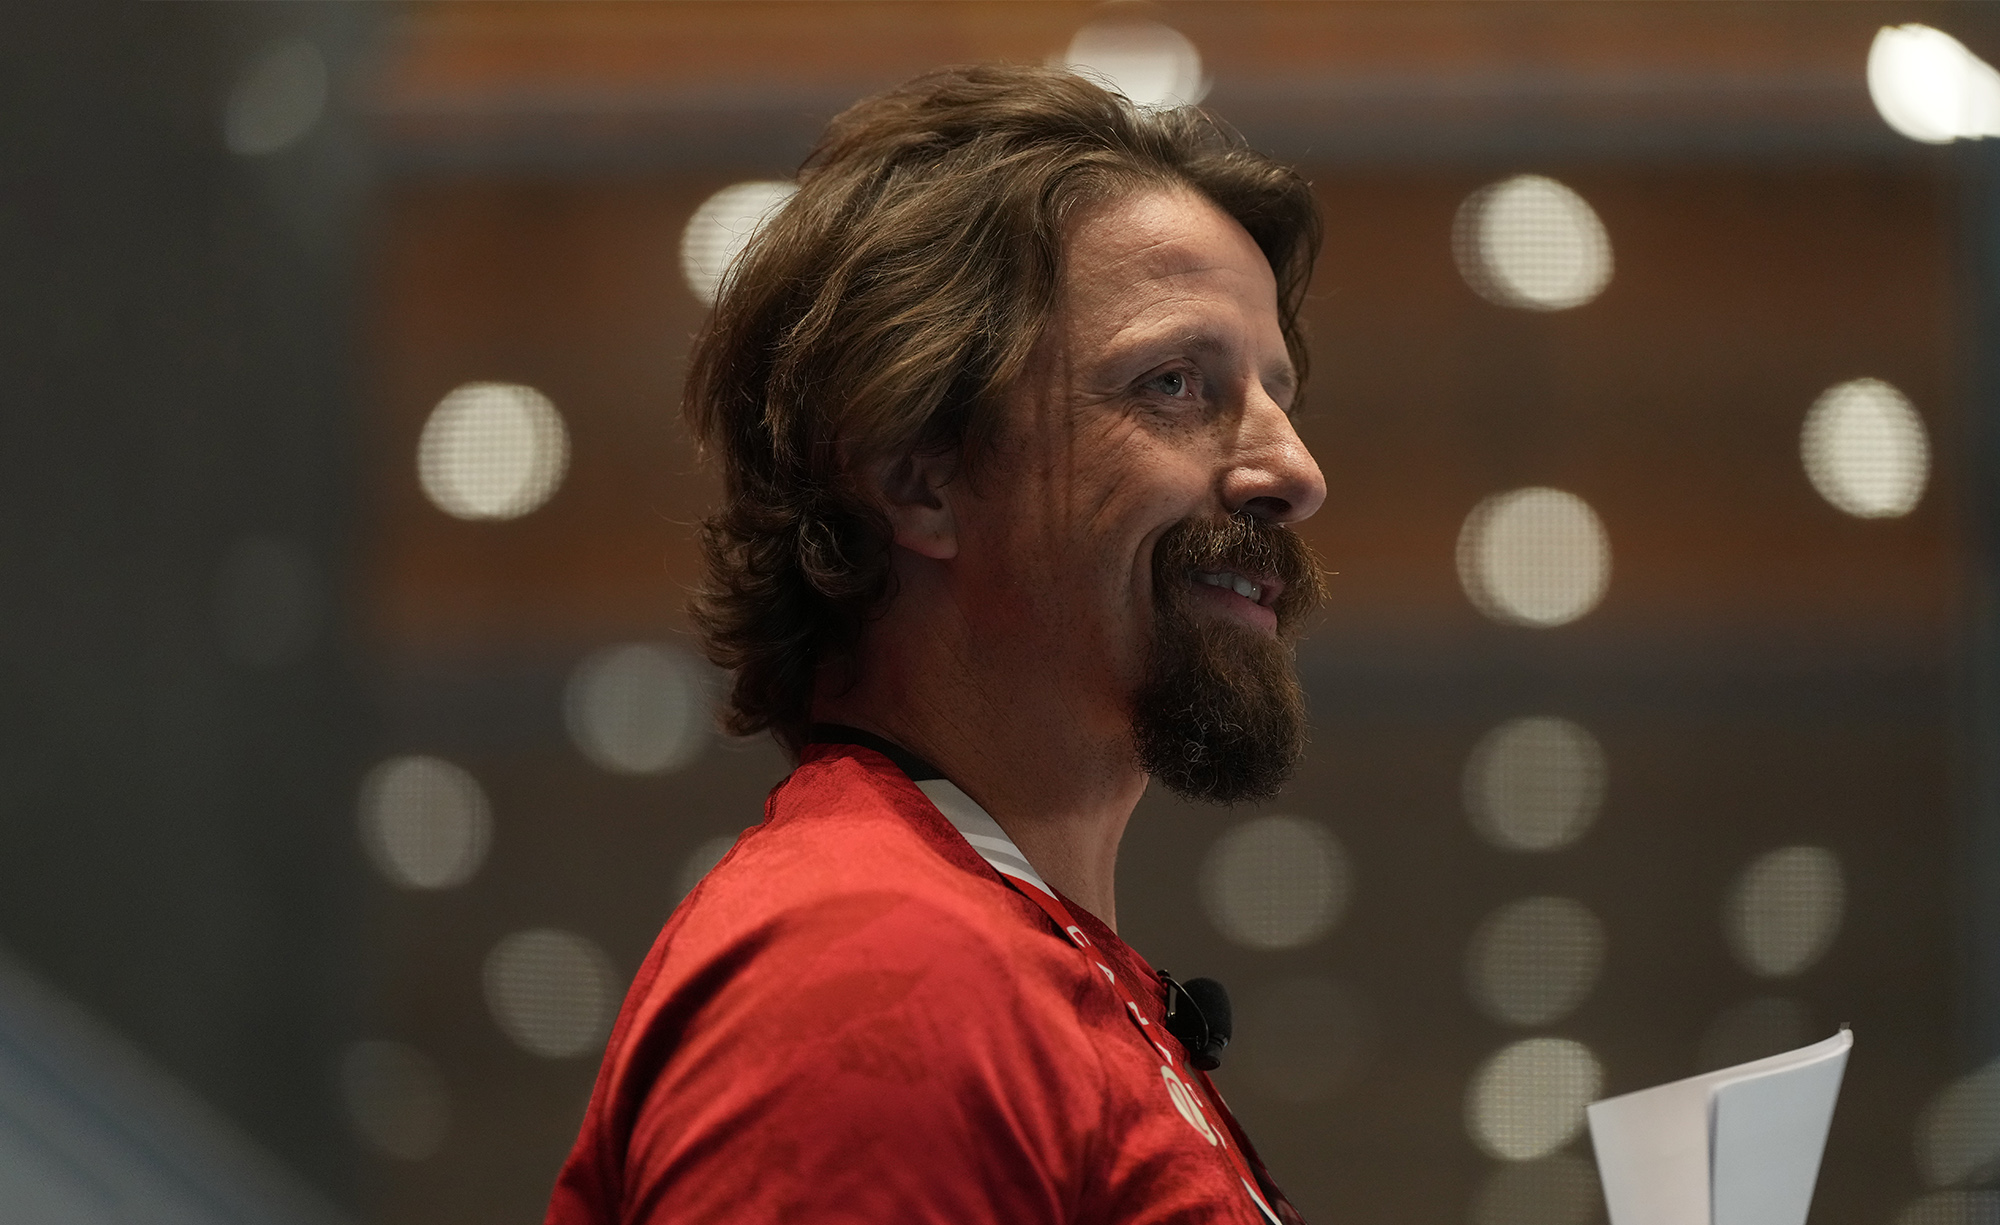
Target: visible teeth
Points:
(1232, 582)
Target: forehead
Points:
(1164, 269)
(1164, 240)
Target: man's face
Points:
(1122, 545)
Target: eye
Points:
(1173, 384)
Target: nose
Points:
(1272, 475)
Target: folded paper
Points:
(1740, 1146)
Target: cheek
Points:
(1017, 545)
(1134, 469)
(1069, 518)
(1152, 487)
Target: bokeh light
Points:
(1560, 1189)
(553, 992)
(1958, 1133)
(425, 822)
(1534, 960)
(1152, 64)
(1534, 557)
(1767, 1025)
(1532, 243)
(1785, 909)
(1302, 1039)
(492, 451)
(277, 99)
(1534, 783)
(396, 1098)
(1865, 449)
(1526, 1101)
(1953, 1208)
(638, 708)
(1275, 882)
(1928, 86)
(722, 227)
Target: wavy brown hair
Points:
(885, 310)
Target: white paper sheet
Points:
(1740, 1146)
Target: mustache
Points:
(1250, 546)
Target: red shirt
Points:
(855, 1017)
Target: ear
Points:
(911, 488)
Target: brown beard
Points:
(1220, 716)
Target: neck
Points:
(1059, 778)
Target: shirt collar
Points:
(973, 823)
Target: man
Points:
(1002, 401)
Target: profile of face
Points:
(1127, 544)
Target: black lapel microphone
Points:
(1198, 1015)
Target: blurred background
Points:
(355, 750)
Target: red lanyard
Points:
(1194, 1105)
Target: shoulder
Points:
(840, 821)
(855, 876)
(846, 996)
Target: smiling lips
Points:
(1262, 590)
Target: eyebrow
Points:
(1285, 377)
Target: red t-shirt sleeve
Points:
(866, 1057)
